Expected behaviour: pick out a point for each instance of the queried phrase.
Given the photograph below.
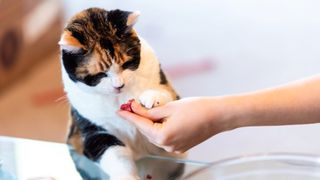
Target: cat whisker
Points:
(64, 97)
(63, 104)
(63, 100)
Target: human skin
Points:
(179, 125)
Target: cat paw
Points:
(151, 98)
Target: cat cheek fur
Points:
(83, 87)
(104, 87)
(128, 77)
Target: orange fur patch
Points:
(68, 39)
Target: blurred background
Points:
(207, 48)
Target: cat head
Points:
(100, 49)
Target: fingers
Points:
(154, 114)
(146, 121)
(144, 125)
(137, 108)
(153, 131)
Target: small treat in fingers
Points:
(127, 106)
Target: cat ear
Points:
(132, 19)
(68, 42)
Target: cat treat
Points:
(148, 177)
(127, 106)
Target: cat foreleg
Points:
(118, 163)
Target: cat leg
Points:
(152, 98)
(114, 157)
(119, 164)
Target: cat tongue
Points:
(127, 106)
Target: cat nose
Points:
(119, 87)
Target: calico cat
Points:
(104, 64)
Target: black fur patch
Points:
(78, 33)
(96, 139)
(98, 18)
(163, 79)
(107, 44)
(132, 64)
(71, 61)
(93, 80)
(119, 20)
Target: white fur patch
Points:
(70, 48)
(118, 163)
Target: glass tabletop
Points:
(24, 159)
(40, 160)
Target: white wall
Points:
(253, 44)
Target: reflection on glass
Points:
(27, 159)
(281, 166)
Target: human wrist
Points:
(233, 111)
(218, 114)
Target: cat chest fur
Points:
(101, 110)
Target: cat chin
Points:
(109, 93)
(117, 91)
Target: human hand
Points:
(178, 125)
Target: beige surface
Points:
(26, 35)
(33, 107)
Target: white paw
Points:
(151, 98)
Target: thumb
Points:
(154, 114)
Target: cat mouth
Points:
(117, 91)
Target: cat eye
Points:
(81, 52)
(131, 64)
(95, 79)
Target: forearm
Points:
(294, 103)
(180, 125)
